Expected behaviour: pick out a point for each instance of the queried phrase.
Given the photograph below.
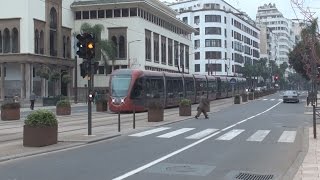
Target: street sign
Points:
(233, 81)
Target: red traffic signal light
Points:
(276, 78)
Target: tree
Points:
(105, 49)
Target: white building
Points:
(147, 35)
(30, 39)
(269, 15)
(269, 46)
(226, 37)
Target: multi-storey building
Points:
(269, 15)
(30, 39)
(226, 38)
(269, 47)
(146, 33)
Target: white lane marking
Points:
(265, 99)
(230, 135)
(175, 133)
(288, 136)
(272, 99)
(259, 135)
(280, 99)
(202, 134)
(152, 131)
(139, 169)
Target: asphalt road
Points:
(262, 137)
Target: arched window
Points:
(0, 42)
(115, 43)
(122, 53)
(53, 18)
(64, 46)
(41, 43)
(68, 47)
(36, 42)
(6, 40)
(15, 40)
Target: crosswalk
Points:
(195, 134)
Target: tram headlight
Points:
(113, 100)
(122, 100)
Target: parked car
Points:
(290, 96)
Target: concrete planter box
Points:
(237, 99)
(185, 110)
(10, 114)
(251, 96)
(155, 114)
(61, 110)
(39, 136)
(244, 97)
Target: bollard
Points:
(119, 121)
(314, 122)
(134, 118)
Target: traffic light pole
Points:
(90, 98)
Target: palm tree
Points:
(105, 49)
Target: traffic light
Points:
(90, 47)
(84, 69)
(81, 44)
(276, 78)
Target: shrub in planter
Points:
(237, 99)
(40, 129)
(185, 107)
(63, 107)
(101, 105)
(10, 111)
(155, 111)
(244, 97)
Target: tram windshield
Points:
(120, 85)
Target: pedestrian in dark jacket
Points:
(203, 106)
(32, 100)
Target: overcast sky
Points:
(284, 6)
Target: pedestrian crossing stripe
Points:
(258, 136)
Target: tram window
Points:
(137, 90)
(154, 88)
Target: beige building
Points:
(31, 39)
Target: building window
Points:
(117, 13)
(163, 50)
(85, 14)
(156, 47)
(93, 14)
(213, 30)
(196, 20)
(185, 20)
(0, 42)
(109, 13)
(197, 68)
(197, 31)
(133, 12)
(6, 41)
(115, 43)
(197, 44)
(122, 44)
(213, 42)
(170, 53)
(100, 13)
(148, 45)
(182, 55)
(101, 70)
(176, 53)
(78, 15)
(214, 68)
(125, 12)
(196, 55)
(36, 42)
(225, 20)
(64, 46)
(212, 18)
(187, 56)
(213, 55)
(41, 43)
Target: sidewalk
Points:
(25, 108)
(72, 130)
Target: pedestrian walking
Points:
(203, 106)
(32, 100)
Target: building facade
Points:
(269, 15)
(32, 40)
(225, 39)
(269, 46)
(147, 36)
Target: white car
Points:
(290, 96)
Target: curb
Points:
(65, 147)
(292, 171)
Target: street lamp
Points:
(129, 50)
